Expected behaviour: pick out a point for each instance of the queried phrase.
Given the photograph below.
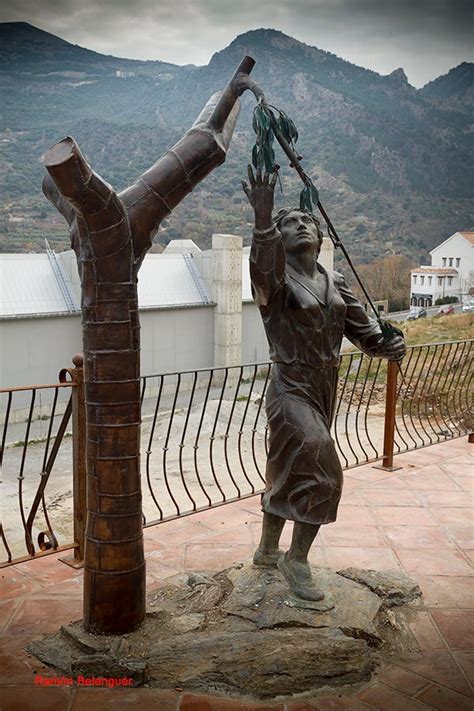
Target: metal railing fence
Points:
(204, 437)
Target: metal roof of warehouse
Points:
(33, 284)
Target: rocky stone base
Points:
(241, 632)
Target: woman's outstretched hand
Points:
(259, 191)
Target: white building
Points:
(196, 311)
(451, 272)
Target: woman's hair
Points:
(281, 214)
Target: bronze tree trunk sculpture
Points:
(110, 234)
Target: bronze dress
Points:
(305, 320)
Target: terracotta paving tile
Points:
(48, 570)
(441, 668)
(225, 515)
(378, 558)
(14, 583)
(385, 698)
(466, 662)
(456, 626)
(463, 536)
(24, 698)
(353, 498)
(166, 554)
(317, 556)
(440, 499)
(425, 456)
(384, 497)
(144, 699)
(204, 702)
(453, 515)
(356, 515)
(404, 515)
(368, 474)
(328, 702)
(426, 632)
(208, 557)
(40, 615)
(179, 531)
(465, 483)
(394, 484)
(17, 666)
(447, 591)
(433, 561)
(431, 482)
(350, 483)
(352, 536)
(241, 534)
(402, 679)
(437, 697)
(457, 468)
(7, 609)
(421, 537)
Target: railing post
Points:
(390, 413)
(79, 472)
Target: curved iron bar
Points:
(240, 433)
(449, 388)
(465, 388)
(460, 385)
(149, 450)
(226, 435)
(359, 407)
(198, 434)
(442, 401)
(436, 406)
(182, 441)
(39, 496)
(28, 540)
(338, 407)
(418, 401)
(406, 400)
(254, 429)
(428, 398)
(456, 390)
(166, 443)
(49, 533)
(369, 399)
(348, 411)
(213, 434)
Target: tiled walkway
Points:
(418, 519)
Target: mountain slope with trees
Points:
(391, 161)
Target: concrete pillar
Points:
(227, 294)
(326, 256)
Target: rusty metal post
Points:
(390, 412)
(79, 470)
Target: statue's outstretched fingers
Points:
(251, 176)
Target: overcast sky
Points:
(425, 37)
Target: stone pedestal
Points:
(242, 633)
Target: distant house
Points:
(451, 272)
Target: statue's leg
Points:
(268, 553)
(294, 564)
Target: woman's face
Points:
(300, 233)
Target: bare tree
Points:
(110, 234)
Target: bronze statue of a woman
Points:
(306, 311)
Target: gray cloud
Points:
(426, 37)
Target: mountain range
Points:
(392, 162)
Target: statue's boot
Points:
(298, 576)
(267, 560)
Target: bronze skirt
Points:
(303, 474)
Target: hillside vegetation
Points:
(391, 161)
